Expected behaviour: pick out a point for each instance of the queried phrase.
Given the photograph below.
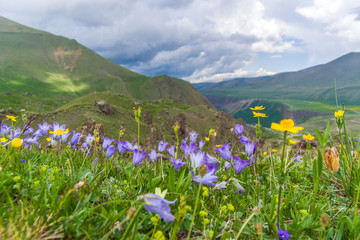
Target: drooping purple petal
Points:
(224, 151)
(177, 163)
(197, 159)
(208, 179)
(250, 148)
(171, 151)
(110, 151)
(221, 185)
(201, 144)
(193, 136)
(239, 129)
(106, 142)
(162, 146)
(210, 160)
(158, 205)
(240, 164)
(138, 157)
(153, 156)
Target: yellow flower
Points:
(257, 114)
(16, 142)
(125, 181)
(207, 139)
(60, 132)
(206, 221)
(274, 150)
(286, 125)
(265, 153)
(211, 234)
(2, 140)
(258, 108)
(16, 179)
(331, 157)
(205, 194)
(218, 145)
(224, 208)
(292, 142)
(308, 137)
(48, 139)
(231, 207)
(159, 236)
(11, 117)
(339, 113)
(304, 212)
(203, 214)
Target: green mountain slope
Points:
(316, 83)
(47, 65)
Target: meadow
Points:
(60, 184)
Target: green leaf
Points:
(171, 184)
(320, 164)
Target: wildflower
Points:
(205, 194)
(292, 142)
(29, 141)
(298, 158)
(239, 129)
(331, 157)
(162, 146)
(211, 234)
(16, 142)
(153, 155)
(283, 235)
(274, 150)
(208, 179)
(197, 159)
(221, 185)
(106, 142)
(257, 114)
(74, 139)
(250, 148)
(339, 114)
(155, 219)
(308, 137)
(44, 128)
(12, 118)
(286, 125)
(243, 139)
(206, 221)
(264, 153)
(239, 188)
(89, 139)
(138, 157)
(258, 108)
(79, 185)
(212, 132)
(203, 213)
(210, 160)
(23, 161)
(3, 140)
(207, 139)
(16, 179)
(60, 132)
(159, 235)
(193, 136)
(201, 144)
(178, 163)
(304, 212)
(159, 205)
(224, 208)
(110, 151)
(171, 151)
(189, 149)
(224, 151)
(231, 207)
(240, 164)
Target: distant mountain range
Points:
(316, 83)
(47, 65)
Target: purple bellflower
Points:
(250, 148)
(283, 235)
(158, 205)
(239, 129)
(138, 157)
(221, 185)
(208, 179)
(4, 130)
(162, 146)
(106, 142)
(201, 144)
(243, 139)
(197, 159)
(171, 151)
(178, 163)
(240, 164)
(89, 139)
(44, 128)
(110, 151)
(224, 151)
(193, 136)
(153, 156)
(74, 139)
(189, 149)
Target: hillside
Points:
(51, 66)
(316, 83)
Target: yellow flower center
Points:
(16, 142)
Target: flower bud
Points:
(331, 157)
(258, 229)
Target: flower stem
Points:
(282, 178)
(195, 208)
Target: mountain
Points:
(50, 66)
(316, 83)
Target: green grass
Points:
(59, 192)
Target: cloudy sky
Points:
(201, 40)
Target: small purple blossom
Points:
(28, 131)
(23, 161)
(138, 157)
(30, 141)
(153, 156)
(239, 129)
(171, 151)
(197, 159)
(250, 148)
(178, 163)
(283, 235)
(208, 179)
(299, 158)
(221, 185)
(158, 205)
(201, 144)
(74, 139)
(106, 142)
(89, 139)
(193, 136)
(240, 164)
(110, 151)
(210, 160)
(44, 128)
(4, 130)
(224, 151)
(243, 139)
(189, 149)
(238, 187)
(162, 146)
